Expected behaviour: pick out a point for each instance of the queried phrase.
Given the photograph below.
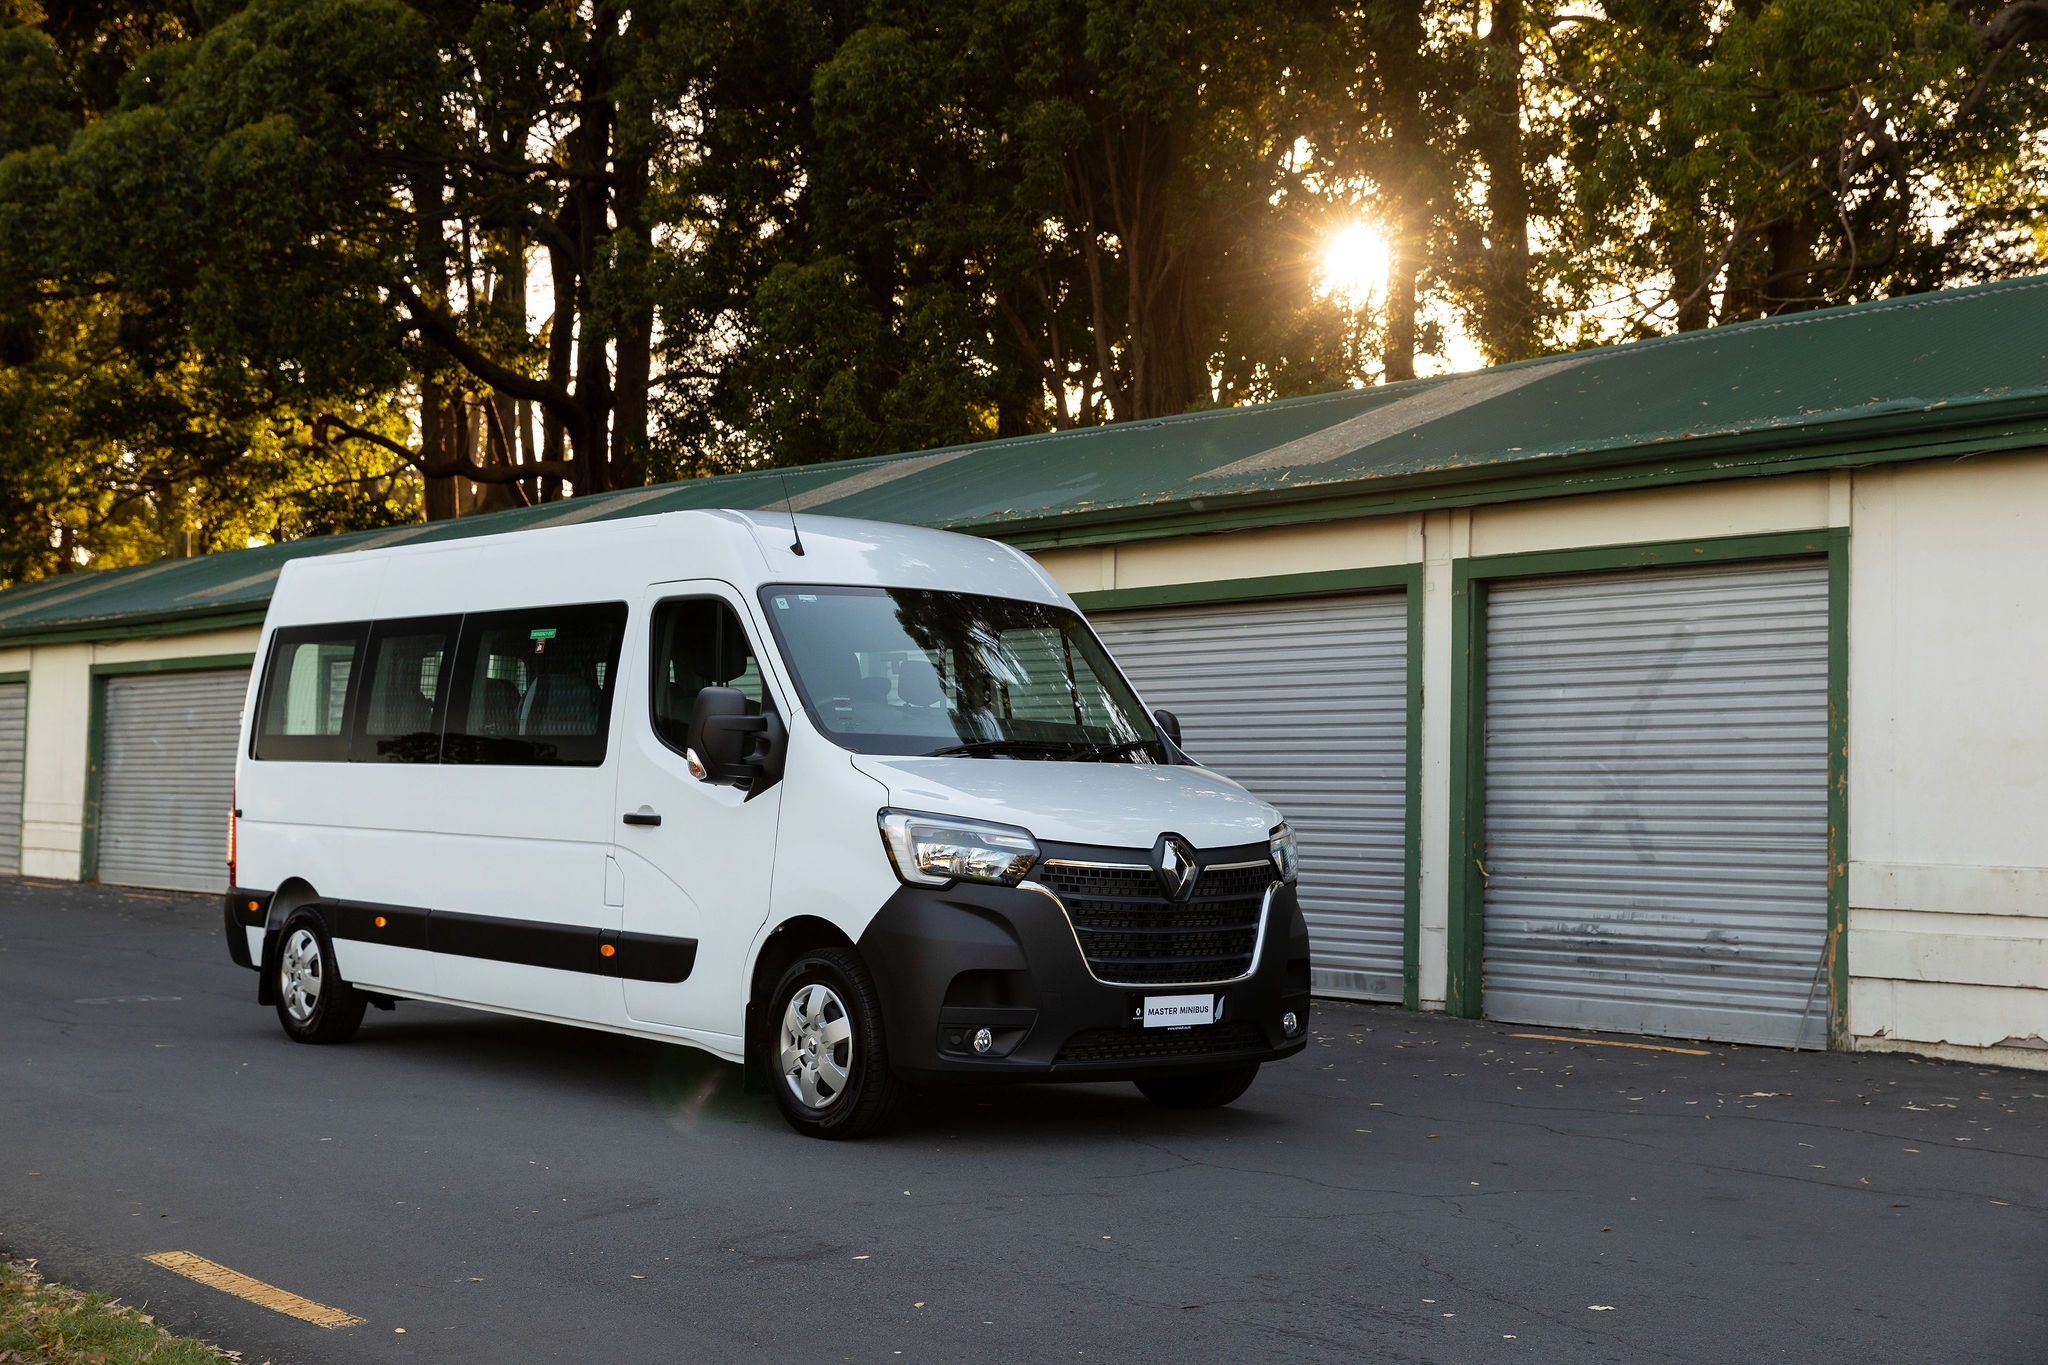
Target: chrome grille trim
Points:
(1258, 940)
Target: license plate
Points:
(1179, 1011)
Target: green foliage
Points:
(42, 1322)
(269, 267)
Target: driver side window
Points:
(698, 643)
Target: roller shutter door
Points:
(1305, 703)
(13, 742)
(1656, 802)
(167, 778)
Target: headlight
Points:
(932, 850)
(1281, 842)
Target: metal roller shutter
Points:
(13, 743)
(1656, 802)
(1305, 703)
(167, 778)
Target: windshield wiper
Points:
(1096, 753)
(1001, 746)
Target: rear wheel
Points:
(313, 1003)
(1203, 1090)
(827, 1050)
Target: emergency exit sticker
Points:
(1179, 1011)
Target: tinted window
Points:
(534, 686)
(399, 720)
(698, 643)
(913, 671)
(307, 687)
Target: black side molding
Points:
(529, 943)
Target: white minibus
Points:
(849, 803)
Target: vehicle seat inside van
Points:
(498, 712)
(917, 683)
(559, 704)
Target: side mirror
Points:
(726, 745)
(1169, 725)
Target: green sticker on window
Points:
(547, 634)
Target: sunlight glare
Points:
(1355, 265)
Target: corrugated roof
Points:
(1962, 369)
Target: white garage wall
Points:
(1948, 758)
(59, 723)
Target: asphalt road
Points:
(1411, 1188)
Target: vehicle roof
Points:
(603, 561)
(1963, 371)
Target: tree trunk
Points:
(636, 328)
(1511, 328)
(1405, 184)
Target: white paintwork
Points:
(548, 843)
(1948, 759)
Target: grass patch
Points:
(47, 1324)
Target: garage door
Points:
(1656, 802)
(167, 778)
(13, 740)
(1305, 702)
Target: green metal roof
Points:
(1962, 371)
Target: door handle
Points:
(643, 816)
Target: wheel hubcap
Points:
(299, 975)
(817, 1046)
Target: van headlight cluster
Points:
(932, 850)
(1285, 859)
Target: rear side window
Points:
(399, 720)
(308, 687)
(698, 643)
(534, 686)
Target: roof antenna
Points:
(796, 544)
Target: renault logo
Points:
(1173, 858)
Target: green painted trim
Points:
(95, 750)
(19, 676)
(136, 628)
(1467, 873)
(1484, 484)
(197, 663)
(1465, 881)
(1838, 789)
(1253, 589)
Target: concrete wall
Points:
(1948, 710)
(59, 726)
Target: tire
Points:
(827, 1055)
(313, 1003)
(1203, 1090)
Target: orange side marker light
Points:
(606, 949)
(380, 921)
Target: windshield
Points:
(908, 671)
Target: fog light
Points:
(983, 1040)
(1290, 1025)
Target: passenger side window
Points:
(698, 643)
(399, 720)
(534, 686)
(302, 712)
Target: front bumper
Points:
(953, 960)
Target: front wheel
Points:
(313, 1003)
(1203, 1090)
(831, 1061)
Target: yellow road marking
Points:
(1602, 1042)
(255, 1291)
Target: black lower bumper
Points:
(953, 961)
(244, 910)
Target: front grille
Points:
(1144, 1045)
(1132, 935)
